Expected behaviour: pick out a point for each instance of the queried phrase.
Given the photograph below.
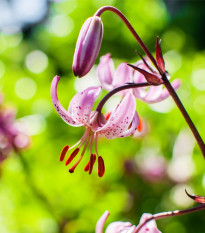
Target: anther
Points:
(107, 115)
(72, 156)
(92, 161)
(101, 166)
(86, 168)
(140, 126)
(63, 152)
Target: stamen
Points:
(96, 142)
(72, 156)
(63, 152)
(71, 170)
(86, 168)
(82, 140)
(91, 142)
(140, 126)
(92, 161)
(101, 166)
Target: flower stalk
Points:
(132, 30)
(170, 214)
(118, 89)
(184, 113)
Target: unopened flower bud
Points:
(87, 46)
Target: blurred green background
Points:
(143, 174)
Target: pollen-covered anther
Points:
(101, 166)
(72, 156)
(63, 152)
(92, 162)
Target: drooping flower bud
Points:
(87, 46)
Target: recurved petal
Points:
(81, 104)
(120, 227)
(165, 94)
(120, 118)
(59, 108)
(150, 95)
(123, 74)
(105, 71)
(101, 222)
(132, 129)
(150, 227)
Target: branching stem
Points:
(184, 113)
(114, 91)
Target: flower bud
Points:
(87, 46)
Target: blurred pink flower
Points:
(125, 227)
(122, 122)
(12, 137)
(151, 167)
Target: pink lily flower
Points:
(125, 227)
(122, 122)
(12, 137)
(111, 78)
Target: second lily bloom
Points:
(111, 78)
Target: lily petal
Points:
(81, 104)
(101, 222)
(150, 227)
(165, 94)
(105, 71)
(120, 118)
(123, 74)
(132, 129)
(118, 227)
(59, 108)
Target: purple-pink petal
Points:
(59, 108)
(81, 105)
(150, 227)
(105, 71)
(101, 222)
(120, 119)
(132, 129)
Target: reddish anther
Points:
(159, 57)
(63, 152)
(86, 168)
(72, 156)
(92, 161)
(101, 166)
(140, 126)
